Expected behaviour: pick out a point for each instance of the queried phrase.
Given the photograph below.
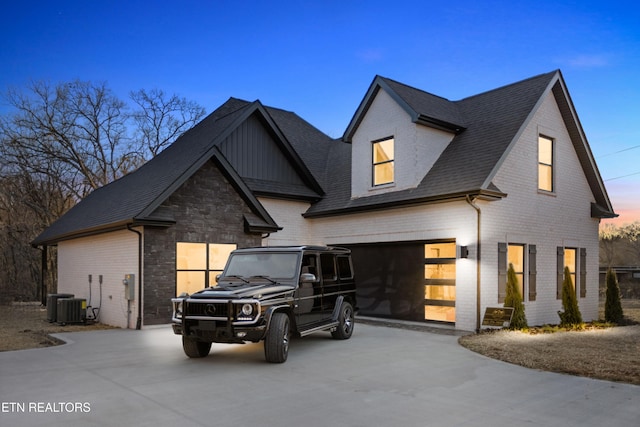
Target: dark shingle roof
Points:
(485, 127)
(135, 197)
(487, 124)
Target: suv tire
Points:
(194, 348)
(276, 343)
(346, 319)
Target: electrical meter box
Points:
(129, 283)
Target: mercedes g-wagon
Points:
(269, 294)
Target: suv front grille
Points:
(207, 309)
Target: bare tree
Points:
(160, 120)
(80, 127)
(610, 238)
(57, 145)
(631, 233)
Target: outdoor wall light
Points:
(464, 252)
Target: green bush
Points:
(613, 306)
(571, 315)
(514, 299)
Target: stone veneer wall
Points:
(206, 209)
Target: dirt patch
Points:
(605, 353)
(25, 325)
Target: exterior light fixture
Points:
(464, 252)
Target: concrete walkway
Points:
(381, 377)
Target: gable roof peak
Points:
(422, 107)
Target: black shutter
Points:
(502, 272)
(532, 273)
(583, 272)
(559, 272)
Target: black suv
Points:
(270, 293)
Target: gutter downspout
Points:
(478, 287)
(139, 319)
(42, 292)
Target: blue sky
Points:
(317, 58)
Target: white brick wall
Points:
(546, 220)
(111, 255)
(288, 214)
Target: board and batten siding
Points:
(112, 255)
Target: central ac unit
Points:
(52, 305)
(72, 310)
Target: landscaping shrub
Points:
(571, 314)
(613, 306)
(514, 299)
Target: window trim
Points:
(374, 164)
(552, 165)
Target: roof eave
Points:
(106, 228)
(599, 212)
(481, 194)
(438, 124)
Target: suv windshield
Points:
(272, 265)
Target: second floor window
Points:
(545, 163)
(383, 161)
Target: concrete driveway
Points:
(381, 377)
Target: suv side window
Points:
(344, 267)
(328, 267)
(309, 265)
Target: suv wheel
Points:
(276, 343)
(346, 319)
(194, 348)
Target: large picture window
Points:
(197, 265)
(383, 161)
(545, 164)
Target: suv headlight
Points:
(247, 309)
(178, 305)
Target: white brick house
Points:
(434, 197)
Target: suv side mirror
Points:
(308, 278)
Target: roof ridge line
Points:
(507, 85)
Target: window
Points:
(545, 163)
(515, 257)
(344, 267)
(440, 282)
(328, 266)
(383, 162)
(570, 261)
(576, 260)
(523, 258)
(197, 265)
